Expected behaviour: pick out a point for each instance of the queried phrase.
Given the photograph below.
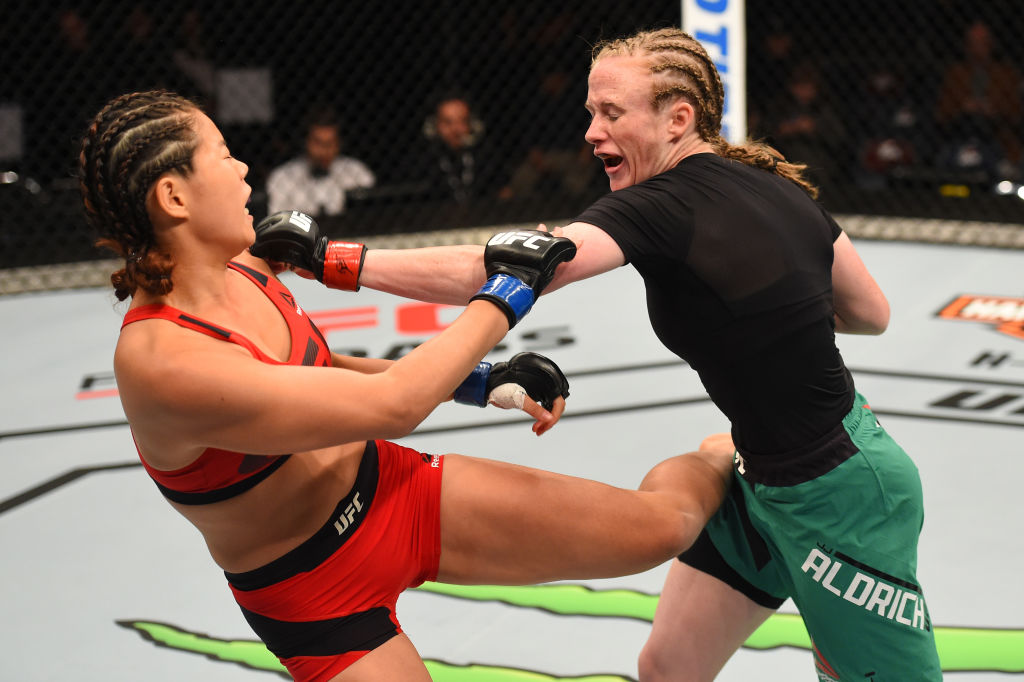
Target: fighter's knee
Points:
(652, 665)
(652, 668)
(668, 532)
(645, 666)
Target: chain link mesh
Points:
(908, 111)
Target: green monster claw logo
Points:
(960, 649)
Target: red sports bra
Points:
(220, 474)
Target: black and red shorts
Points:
(331, 600)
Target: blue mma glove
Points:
(519, 266)
(537, 376)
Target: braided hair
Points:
(680, 67)
(130, 143)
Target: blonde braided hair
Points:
(680, 67)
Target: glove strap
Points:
(513, 295)
(473, 389)
(343, 261)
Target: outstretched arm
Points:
(438, 274)
(184, 388)
(450, 274)
(181, 387)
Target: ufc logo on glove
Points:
(529, 239)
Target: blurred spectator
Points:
(979, 107)
(143, 52)
(551, 160)
(77, 82)
(558, 161)
(192, 59)
(772, 59)
(804, 126)
(317, 182)
(454, 165)
(892, 128)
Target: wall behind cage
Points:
(900, 109)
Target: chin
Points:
(620, 180)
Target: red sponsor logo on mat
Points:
(1006, 312)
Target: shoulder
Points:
(163, 378)
(159, 366)
(153, 352)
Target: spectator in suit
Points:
(454, 166)
(317, 181)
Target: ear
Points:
(168, 197)
(682, 118)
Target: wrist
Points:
(509, 293)
(473, 389)
(343, 261)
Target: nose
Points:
(594, 132)
(243, 168)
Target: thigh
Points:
(851, 553)
(864, 621)
(699, 623)
(507, 524)
(396, 659)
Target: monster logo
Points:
(960, 649)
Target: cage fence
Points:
(908, 115)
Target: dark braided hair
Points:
(680, 67)
(134, 140)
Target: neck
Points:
(200, 278)
(689, 146)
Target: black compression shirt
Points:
(737, 264)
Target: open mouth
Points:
(611, 163)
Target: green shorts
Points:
(842, 545)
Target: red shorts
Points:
(331, 600)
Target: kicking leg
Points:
(508, 524)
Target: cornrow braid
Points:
(132, 141)
(680, 67)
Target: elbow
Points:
(880, 320)
(873, 321)
(398, 421)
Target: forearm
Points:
(859, 305)
(430, 373)
(361, 365)
(438, 274)
(852, 324)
